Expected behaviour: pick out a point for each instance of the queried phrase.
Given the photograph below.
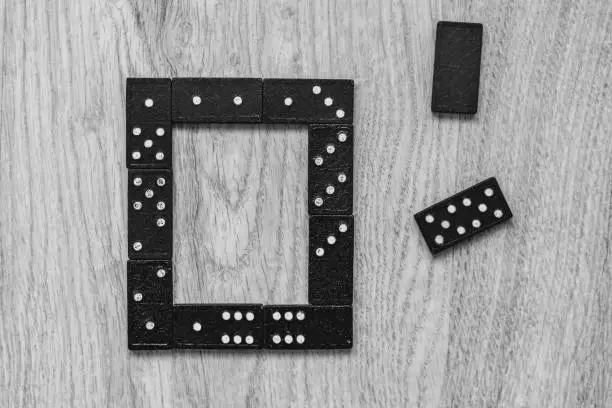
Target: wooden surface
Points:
(520, 317)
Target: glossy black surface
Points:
(148, 140)
(149, 282)
(138, 91)
(159, 333)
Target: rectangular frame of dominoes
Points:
(153, 105)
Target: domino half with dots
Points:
(216, 100)
(149, 282)
(290, 327)
(463, 215)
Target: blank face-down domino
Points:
(293, 327)
(463, 215)
(330, 169)
(308, 101)
(457, 67)
(330, 260)
(149, 145)
(150, 214)
(218, 326)
(217, 100)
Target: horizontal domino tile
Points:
(218, 326)
(308, 101)
(465, 214)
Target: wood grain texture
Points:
(521, 317)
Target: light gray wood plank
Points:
(521, 316)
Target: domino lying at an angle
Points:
(150, 214)
(291, 327)
(216, 100)
(308, 101)
(330, 260)
(463, 215)
(218, 326)
(330, 169)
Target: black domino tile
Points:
(330, 169)
(149, 145)
(304, 101)
(143, 91)
(149, 282)
(221, 100)
(456, 77)
(149, 203)
(218, 326)
(149, 327)
(476, 209)
(293, 327)
(330, 260)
